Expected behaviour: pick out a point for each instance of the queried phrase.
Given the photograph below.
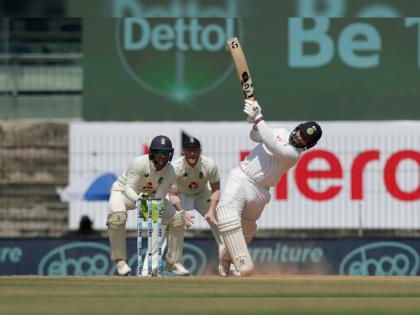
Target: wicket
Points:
(152, 204)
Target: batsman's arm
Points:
(254, 135)
(277, 148)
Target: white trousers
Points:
(246, 197)
(201, 204)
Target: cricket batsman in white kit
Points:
(247, 189)
(150, 173)
(197, 186)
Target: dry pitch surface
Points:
(209, 295)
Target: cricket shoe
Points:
(177, 269)
(224, 267)
(233, 271)
(122, 268)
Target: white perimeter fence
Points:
(361, 175)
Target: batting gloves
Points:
(253, 110)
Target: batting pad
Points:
(230, 229)
(117, 235)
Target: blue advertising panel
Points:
(377, 257)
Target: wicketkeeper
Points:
(152, 174)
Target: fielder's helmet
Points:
(310, 131)
(161, 143)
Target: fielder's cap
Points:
(190, 142)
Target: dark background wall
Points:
(137, 79)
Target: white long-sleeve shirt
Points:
(272, 157)
(193, 180)
(142, 176)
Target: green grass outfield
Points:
(209, 295)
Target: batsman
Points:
(247, 189)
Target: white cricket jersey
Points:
(193, 180)
(141, 176)
(272, 157)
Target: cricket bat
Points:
(242, 69)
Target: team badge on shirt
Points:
(148, 186)
(193, 185)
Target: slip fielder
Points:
(197, 187)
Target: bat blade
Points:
(242, 69)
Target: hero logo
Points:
(176, 57)
(399, 175)
(381, 259)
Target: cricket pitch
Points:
(209, 295)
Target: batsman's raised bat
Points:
(241, 67)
